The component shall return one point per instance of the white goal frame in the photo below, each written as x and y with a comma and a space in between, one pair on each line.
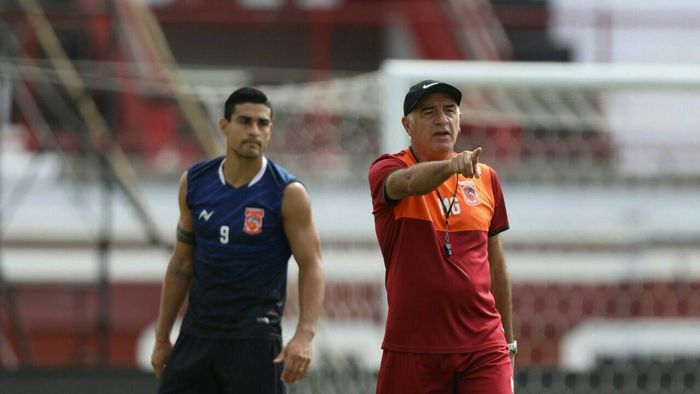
399, 75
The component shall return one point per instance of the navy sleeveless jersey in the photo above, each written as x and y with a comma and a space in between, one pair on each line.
240, 254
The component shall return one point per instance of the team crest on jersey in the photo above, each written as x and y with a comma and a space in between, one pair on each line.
469, 189
253, 221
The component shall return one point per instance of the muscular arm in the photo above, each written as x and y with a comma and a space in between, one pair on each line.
177, 282
427, 176
500, 284
305, 243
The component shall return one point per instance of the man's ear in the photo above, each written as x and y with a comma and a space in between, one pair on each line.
223, 122
406, 125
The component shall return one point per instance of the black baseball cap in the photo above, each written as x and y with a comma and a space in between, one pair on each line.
422, 88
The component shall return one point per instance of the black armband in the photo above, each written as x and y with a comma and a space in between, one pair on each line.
185, 236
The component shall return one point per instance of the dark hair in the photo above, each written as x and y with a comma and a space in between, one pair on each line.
245, 95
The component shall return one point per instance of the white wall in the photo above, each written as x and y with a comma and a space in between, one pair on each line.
646, 31
640, 31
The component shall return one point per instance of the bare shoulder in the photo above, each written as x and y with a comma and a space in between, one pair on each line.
183, 180
182, 187
295, 191
185, 221
295, 200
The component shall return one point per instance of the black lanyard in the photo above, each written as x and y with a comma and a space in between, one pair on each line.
447, 248
448, 210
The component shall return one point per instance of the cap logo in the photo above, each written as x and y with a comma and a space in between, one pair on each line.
430, 84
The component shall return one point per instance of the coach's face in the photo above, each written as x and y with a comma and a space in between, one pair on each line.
248, 131
433, 126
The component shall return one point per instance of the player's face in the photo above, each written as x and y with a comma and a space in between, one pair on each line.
433, 126
248, 131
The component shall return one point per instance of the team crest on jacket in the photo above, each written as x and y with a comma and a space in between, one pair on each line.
469, 189
253, 221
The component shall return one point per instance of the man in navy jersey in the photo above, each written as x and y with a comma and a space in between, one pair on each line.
241, 218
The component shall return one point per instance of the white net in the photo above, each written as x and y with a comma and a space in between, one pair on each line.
325, 132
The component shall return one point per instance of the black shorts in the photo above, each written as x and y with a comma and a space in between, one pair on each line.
223, 365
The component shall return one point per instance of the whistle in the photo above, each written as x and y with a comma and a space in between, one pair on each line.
448, 249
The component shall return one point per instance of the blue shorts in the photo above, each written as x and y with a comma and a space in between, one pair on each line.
223, 365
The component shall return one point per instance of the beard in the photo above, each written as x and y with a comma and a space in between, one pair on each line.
247, 149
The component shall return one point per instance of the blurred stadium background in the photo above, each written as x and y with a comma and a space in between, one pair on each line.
104, 103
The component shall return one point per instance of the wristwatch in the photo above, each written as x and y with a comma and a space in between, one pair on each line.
513, 347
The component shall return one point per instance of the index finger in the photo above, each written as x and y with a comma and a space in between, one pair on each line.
476, 153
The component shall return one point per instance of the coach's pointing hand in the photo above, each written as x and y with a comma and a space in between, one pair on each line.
298, 358
467, 163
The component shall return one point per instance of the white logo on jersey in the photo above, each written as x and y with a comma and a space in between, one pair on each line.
206, 215
456, 208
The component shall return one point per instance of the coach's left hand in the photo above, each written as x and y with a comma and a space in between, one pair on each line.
297, 354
